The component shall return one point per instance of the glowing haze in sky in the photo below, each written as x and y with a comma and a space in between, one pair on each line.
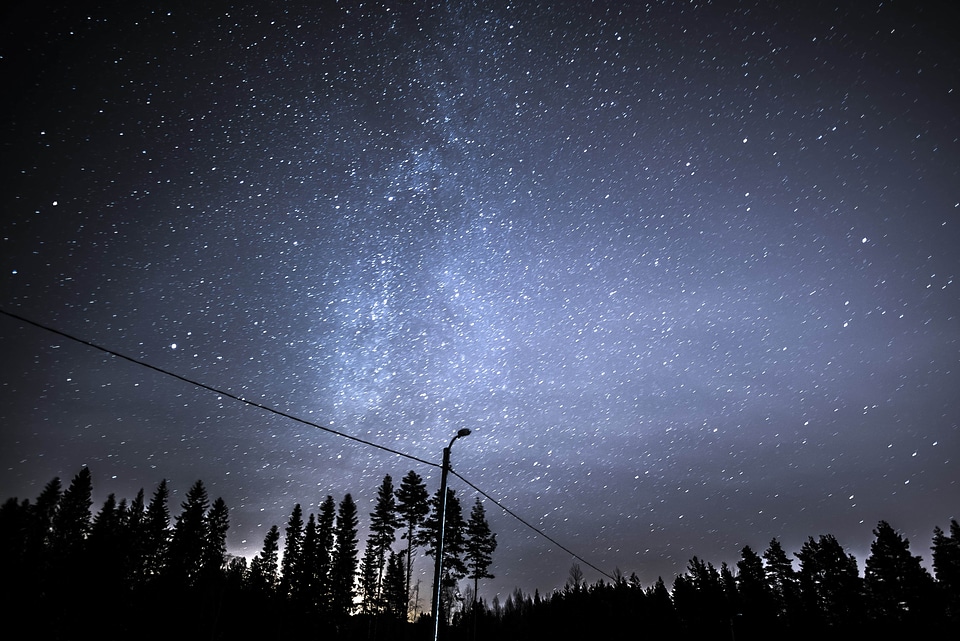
687, 270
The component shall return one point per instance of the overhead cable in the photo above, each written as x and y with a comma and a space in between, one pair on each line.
246, 401
297, 419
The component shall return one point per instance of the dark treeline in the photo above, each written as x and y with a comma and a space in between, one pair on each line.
130, 570
764, 596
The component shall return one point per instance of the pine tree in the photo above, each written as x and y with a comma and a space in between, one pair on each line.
215, 545
137, 511
480, 545
783, 583
830, 583
189, 536
453, 535
755, 601
309, 568
292, 569
39, 527
663, 616
133, 525
369, 600
897, 585
699, 597
344, 566
156, 534
106, 545
394, 588
68, 560
326, 542
71, 522
26, 541
412, 508
107, 521
383, 526
946, 567
264, 567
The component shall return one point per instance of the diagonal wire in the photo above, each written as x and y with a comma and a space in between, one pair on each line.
532, 527
297, 419
263, 407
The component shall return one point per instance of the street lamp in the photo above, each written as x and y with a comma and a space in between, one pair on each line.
438, 563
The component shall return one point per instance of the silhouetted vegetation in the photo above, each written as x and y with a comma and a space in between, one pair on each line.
128, 572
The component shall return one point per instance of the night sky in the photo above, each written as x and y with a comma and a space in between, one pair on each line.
687, 270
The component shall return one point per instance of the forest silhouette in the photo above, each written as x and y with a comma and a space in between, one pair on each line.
130, 570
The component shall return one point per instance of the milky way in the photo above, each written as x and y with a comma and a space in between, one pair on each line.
686, 270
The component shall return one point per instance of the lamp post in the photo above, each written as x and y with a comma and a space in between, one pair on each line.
438, 563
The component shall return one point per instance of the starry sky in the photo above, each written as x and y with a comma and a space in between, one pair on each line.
686, 269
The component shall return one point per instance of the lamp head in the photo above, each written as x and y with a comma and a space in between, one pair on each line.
463, 432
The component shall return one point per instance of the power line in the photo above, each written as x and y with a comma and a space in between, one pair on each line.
266, 408
297, 419
532, 527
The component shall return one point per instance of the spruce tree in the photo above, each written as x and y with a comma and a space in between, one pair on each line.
453, 535
156, 534
412, 508
133, 525
189, 537
106, 523
106, 545
309, 568
394, 587
68, 557
480, 545
344, 566
264, 567
369, 598
292, 568
326, 542
71, 522
215, 545
663, 616
40, 523
384, 522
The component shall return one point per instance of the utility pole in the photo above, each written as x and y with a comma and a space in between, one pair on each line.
438, 563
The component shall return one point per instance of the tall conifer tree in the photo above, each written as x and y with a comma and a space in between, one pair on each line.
215, 544
897, 586
156, 534
480, 545
71, 521
830, 583
783, 583
326, 542
189, 536
344, 567
384, 522
946, 567
292, 568
264, 567
412, 508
